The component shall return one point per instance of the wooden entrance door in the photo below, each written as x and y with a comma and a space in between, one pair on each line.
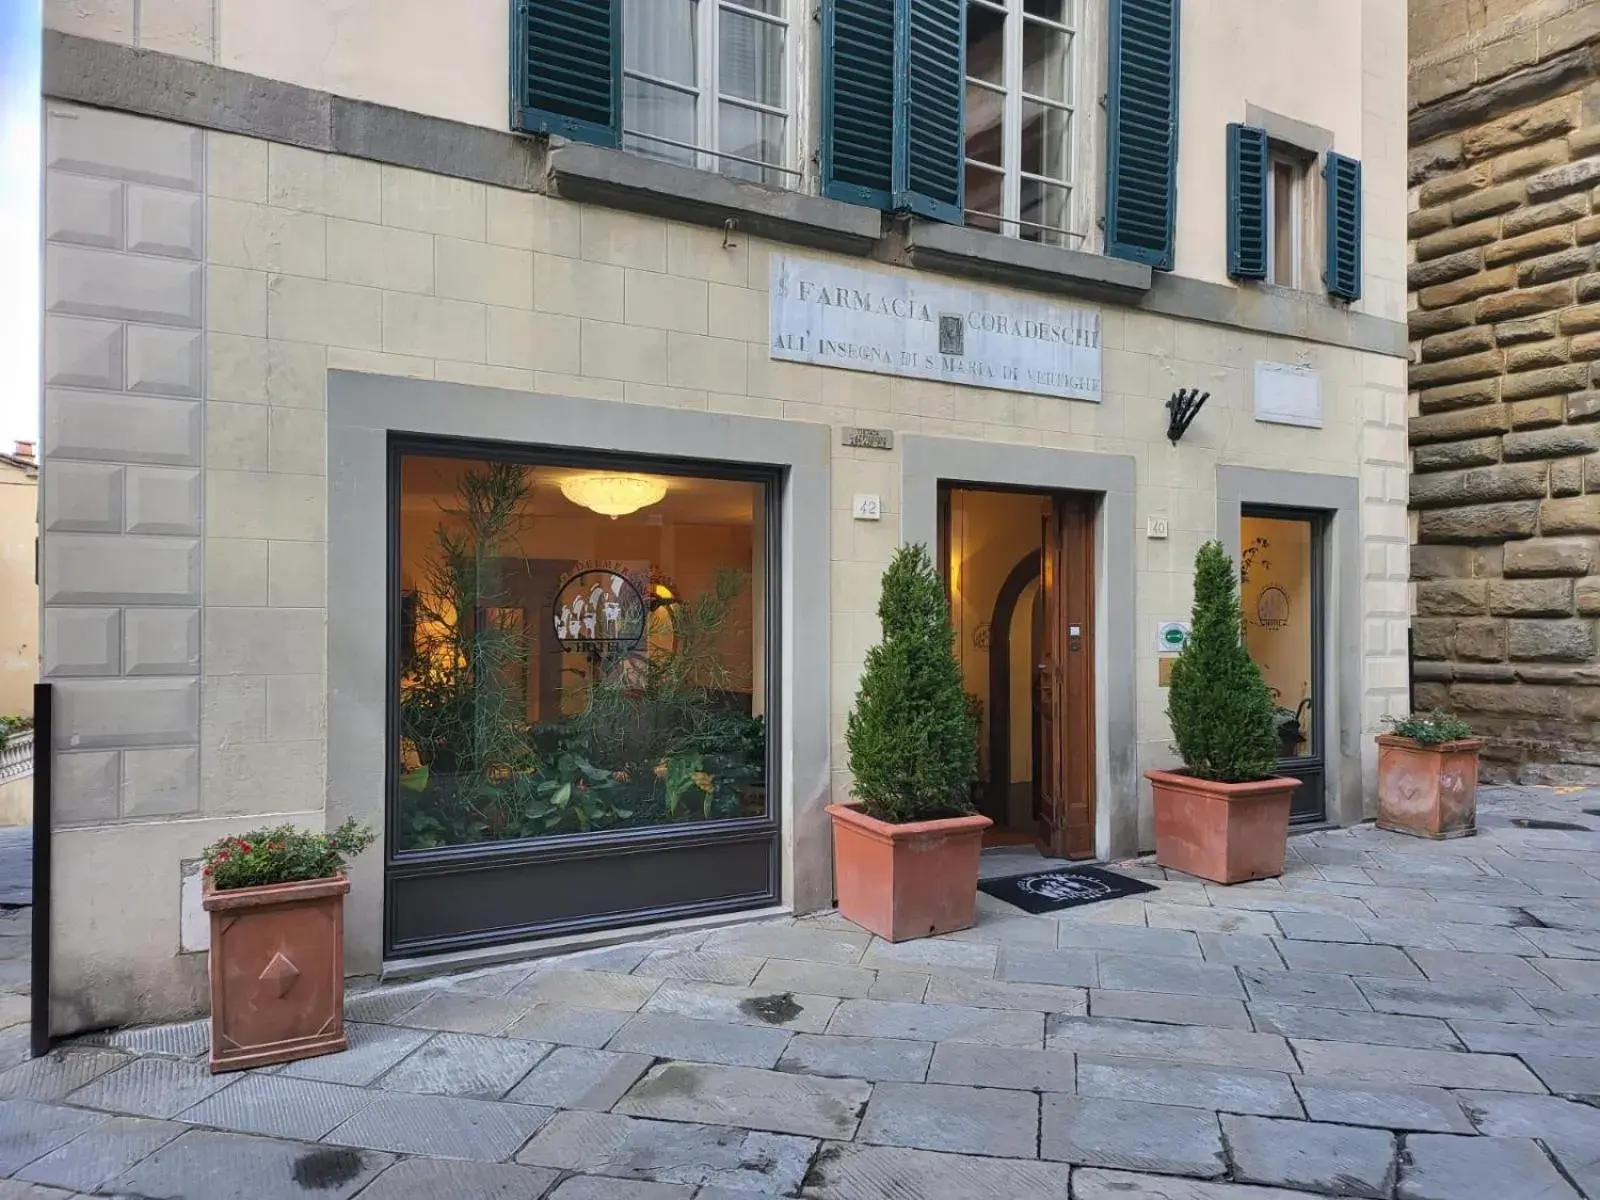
1064, 682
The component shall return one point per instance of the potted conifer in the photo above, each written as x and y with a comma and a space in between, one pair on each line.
1225, 816
1428, 776
905, 855
276, 899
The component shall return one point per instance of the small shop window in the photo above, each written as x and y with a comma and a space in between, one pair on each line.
581, 649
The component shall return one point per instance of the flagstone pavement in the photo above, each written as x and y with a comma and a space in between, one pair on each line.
1393, 1018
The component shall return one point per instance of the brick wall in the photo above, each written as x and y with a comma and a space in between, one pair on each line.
1505, 436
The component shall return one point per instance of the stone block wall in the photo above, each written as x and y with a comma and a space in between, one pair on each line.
1504, 276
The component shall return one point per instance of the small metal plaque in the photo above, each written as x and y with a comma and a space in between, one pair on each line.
870, 439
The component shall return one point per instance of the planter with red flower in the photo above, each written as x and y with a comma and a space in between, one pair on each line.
276, 899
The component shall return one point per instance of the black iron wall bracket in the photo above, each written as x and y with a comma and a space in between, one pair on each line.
1181, 411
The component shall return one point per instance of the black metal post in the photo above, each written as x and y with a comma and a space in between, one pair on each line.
43, 712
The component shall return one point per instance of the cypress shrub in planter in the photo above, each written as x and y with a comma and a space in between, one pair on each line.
1428, 776
276, 899
1225, 816
905, 855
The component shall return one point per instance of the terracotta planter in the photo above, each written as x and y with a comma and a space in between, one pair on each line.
906, 881
1428, 791
1224, 832
277, 972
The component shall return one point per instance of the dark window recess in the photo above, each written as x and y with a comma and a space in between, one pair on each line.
566, 69
1247, 202
892, 100
1341, 272
1142, 131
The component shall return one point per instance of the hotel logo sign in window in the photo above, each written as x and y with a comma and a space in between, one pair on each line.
901, 324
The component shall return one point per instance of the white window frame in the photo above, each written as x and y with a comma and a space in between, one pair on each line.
709, 97
1075, 235
1297, 207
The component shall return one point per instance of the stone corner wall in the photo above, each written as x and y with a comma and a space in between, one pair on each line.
1504, 276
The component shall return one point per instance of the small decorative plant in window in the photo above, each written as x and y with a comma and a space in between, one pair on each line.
1225, 817
1428, 776
914, 754
276, 899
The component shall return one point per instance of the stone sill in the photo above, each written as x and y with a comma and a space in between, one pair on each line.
995, 258
618, 179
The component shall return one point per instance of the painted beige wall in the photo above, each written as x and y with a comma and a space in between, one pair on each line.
19, 595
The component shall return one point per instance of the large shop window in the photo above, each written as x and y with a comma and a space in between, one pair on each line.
581, 669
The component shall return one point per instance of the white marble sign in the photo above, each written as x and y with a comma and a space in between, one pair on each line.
1288, 395
898, 324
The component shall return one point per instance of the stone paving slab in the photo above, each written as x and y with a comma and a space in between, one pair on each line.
664, 1036
1169, 1009
932, 955
1418, 1109
373, 1050
452, 1179
61, 1071
593, 1187
817, 978
150, 1087
774, 1101
832, 946
567, 1025
1127, 939
1242, 950
278, 1107
1501, 1037
463, 1012
1486, 1002
98, 1155
1507, 969
1000, 1067
671, 1152
232, 1166
441, 1126
1572, 974
1442, 1167
1367, 1028
577, 1077
1092, 1183
701, 966
1267, 1093
1065, 968
1399, 1064
1348, 958
461, 1064
588, 989
988, 993
1569, 1076
1199, 1045
1131, 1136
879, 1060
1509, 1115
1310, 1156
1197, 919
960, 1120
1121, 972
858, 1172
29, 1130
794, 1011
938, 1023
1303, 989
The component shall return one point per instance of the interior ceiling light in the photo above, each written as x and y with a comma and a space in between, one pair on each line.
613, 495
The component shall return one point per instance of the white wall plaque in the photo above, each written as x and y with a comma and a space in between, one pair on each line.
867, 508
1288, 395
897, 324
1171, 636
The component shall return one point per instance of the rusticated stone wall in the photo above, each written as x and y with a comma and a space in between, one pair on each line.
1504, 277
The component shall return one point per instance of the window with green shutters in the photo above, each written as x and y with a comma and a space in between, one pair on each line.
1142, 131
566, 72
1247, 202
858, 101
1341, 262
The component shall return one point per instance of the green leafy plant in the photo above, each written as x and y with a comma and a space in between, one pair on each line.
913, 744
283, 854
1221, 711
1429, 729
12, 725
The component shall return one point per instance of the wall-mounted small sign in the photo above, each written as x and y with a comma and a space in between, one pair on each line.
867, 508
1172, 636
869, 439
1288, 395
1155, 527
1164, 670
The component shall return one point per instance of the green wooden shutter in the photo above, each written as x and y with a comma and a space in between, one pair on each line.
930, 86
566, 69
858, 94
1341, 257
1247, 202
1142, 131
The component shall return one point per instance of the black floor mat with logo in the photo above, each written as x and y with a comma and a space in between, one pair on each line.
1049, 891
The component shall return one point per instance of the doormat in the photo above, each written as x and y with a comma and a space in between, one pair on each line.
1048, 891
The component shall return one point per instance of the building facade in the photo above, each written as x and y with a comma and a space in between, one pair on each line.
19, 592
1505, 152
493, 424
